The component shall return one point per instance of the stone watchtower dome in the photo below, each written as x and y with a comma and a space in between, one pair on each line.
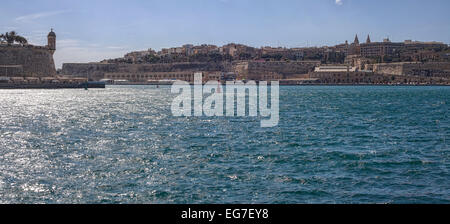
51, 38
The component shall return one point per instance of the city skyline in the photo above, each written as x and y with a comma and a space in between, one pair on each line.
86, 35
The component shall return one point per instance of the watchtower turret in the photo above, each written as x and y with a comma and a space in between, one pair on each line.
51, 38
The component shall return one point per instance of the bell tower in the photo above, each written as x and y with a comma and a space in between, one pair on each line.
51, 38
356, 40
355, 47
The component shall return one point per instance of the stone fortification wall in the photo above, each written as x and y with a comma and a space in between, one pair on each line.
427, 69
285, 69
97, 71
388, 69
26, 61
11, 70
93, 71
370, 78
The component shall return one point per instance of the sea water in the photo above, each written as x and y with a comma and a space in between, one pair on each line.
333, 144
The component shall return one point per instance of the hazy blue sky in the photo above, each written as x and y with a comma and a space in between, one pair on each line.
91, 30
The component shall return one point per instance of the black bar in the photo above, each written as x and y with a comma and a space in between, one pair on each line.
252, 214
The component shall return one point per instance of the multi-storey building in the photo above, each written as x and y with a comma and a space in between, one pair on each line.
380, 49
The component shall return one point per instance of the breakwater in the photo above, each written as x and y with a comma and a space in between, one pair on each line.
53, 85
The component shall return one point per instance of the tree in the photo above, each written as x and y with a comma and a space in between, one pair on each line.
12, 37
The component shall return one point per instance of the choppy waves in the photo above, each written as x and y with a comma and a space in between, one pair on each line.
121, 145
